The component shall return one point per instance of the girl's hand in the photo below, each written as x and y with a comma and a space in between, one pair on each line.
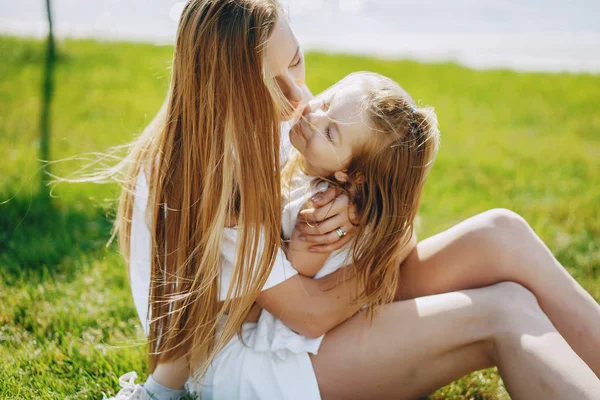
329, 214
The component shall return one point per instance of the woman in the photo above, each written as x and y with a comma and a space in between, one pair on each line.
207, 170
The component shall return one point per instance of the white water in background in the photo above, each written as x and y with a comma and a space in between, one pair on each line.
538, 35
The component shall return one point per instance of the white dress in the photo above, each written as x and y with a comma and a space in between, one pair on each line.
274, 363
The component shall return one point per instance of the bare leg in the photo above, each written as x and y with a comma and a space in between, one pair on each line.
416, 346
497, 246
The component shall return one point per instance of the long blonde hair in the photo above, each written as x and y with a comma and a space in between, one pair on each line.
213, 162
386, 181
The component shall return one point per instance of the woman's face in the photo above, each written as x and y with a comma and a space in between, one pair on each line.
286, 62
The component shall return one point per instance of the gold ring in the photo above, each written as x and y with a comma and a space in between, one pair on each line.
340, 232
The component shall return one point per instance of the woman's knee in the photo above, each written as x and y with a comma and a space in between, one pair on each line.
496, 228
512, 294
502, 235
505, 306
517, 314
505, 222
516, 309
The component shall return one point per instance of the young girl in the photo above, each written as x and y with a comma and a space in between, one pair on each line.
366, 135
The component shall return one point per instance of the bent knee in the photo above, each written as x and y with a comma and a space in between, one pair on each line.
501, 229
512, 291
504, 219
516, 305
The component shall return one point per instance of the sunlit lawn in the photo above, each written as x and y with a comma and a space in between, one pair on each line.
68, 327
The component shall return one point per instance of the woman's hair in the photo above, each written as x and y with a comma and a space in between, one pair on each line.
386, 181
211, 162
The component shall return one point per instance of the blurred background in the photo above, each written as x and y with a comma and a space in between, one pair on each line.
540, 35
516, 86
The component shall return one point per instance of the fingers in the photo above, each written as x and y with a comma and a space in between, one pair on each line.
326, 196
333, 246
323, 227
329, 237
333, 207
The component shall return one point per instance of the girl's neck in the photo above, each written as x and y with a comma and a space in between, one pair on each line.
309, 169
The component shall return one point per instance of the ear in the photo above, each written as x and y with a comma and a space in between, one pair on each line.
341, 176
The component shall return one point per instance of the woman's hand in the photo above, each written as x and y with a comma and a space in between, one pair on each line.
328, 215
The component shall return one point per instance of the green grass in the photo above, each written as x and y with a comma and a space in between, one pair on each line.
68, 327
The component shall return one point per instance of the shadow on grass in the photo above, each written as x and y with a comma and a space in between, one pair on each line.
38, 237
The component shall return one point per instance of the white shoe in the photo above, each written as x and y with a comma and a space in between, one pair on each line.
129, 389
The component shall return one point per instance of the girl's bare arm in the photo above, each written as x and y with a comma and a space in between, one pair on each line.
304, 261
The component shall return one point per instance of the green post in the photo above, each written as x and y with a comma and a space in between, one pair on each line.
47, 90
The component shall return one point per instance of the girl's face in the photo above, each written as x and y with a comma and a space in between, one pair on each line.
333, 128
286, 62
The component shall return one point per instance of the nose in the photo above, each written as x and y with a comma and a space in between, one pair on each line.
307, 110
315, 117
291, 91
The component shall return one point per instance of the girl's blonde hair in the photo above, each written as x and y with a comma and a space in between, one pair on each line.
386, 183
212, 161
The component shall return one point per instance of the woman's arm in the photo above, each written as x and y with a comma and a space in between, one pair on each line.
312, 307
305, 305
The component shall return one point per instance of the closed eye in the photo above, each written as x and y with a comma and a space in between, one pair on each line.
297, 63
328, 133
